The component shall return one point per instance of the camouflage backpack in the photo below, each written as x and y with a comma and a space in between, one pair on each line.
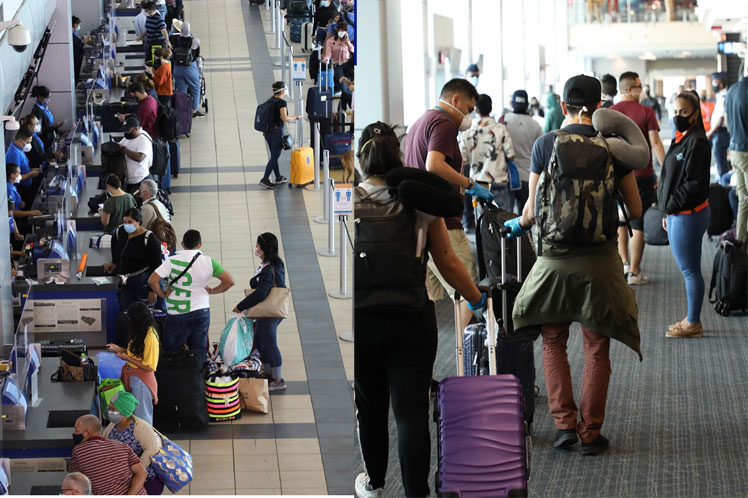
576, 198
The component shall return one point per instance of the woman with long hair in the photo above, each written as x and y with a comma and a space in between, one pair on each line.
271, 273
141, 356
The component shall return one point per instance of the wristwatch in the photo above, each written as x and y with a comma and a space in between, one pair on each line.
470, 185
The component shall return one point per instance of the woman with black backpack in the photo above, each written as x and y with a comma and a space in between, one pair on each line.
274, 137
186, 50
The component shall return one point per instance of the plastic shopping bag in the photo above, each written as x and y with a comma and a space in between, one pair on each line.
236, 340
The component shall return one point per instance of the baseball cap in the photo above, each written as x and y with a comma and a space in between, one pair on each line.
587, 90
130, 122
472, 68
520, 100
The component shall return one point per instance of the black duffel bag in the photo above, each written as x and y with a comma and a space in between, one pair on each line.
181, 393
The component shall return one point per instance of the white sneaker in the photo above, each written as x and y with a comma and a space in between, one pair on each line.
626, 270
364, 489
639, 279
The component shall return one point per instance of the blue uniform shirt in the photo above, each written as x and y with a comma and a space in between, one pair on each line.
17, 156
46, 111
14, 196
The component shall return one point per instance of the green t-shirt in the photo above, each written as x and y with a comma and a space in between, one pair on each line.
188, 293
115, 207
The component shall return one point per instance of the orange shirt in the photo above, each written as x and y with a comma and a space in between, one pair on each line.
707, 108
162, 79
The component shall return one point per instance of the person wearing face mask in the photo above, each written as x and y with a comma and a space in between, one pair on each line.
16, 154
41, 110
324, 12
116, 205
38, 155
718, 134
644, 117
111, 466
136, 253
13, 174
76, 483
138, 149
338, 50
432, 145
271, 273
472, 74
126, 427
736, 110
683, 196
78, 47
274, 137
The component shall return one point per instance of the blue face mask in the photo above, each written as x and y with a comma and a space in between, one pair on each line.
129, 228
77, 28
324, 3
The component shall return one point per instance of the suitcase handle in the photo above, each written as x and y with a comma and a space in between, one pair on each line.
491, 326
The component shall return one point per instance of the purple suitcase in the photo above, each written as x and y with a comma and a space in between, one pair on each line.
183, 105
483, 443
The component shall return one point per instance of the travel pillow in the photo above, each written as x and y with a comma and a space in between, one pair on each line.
625, 140
425, 192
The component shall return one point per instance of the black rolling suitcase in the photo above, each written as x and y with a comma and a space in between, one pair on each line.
514, 353
181, 391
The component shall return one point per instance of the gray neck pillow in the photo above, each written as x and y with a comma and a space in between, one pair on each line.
625, 140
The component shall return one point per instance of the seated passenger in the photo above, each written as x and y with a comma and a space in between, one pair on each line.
271, 273
141, 356
138, 434
151, 207
16, 154
136, 253
76, 483
138, 149
576, 282
111, 466
115, 206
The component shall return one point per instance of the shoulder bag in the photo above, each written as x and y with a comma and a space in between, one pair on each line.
172, 464
275, 305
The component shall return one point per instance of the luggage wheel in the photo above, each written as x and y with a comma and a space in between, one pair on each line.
537, 390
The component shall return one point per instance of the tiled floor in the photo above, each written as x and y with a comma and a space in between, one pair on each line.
305, 444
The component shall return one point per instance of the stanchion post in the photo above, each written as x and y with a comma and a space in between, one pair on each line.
283, 61
317, 153
300, 111
267, 4
292, 94
280, 29
325, 193
274, 23
343, 292
330, 251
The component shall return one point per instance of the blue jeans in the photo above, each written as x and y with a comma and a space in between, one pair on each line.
162, 10
275, 143
189, 327
144, 396
685, 232
266, 340
135, 290
188, 78
720, 142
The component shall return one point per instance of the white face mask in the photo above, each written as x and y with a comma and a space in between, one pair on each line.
27, 148
466, 122
17, 179
38, 128
341, 34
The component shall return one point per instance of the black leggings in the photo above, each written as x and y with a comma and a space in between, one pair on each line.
394, 357
275, 143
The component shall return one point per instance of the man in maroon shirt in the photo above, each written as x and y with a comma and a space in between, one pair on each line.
147, 111
631, 88
432, 145
111, 466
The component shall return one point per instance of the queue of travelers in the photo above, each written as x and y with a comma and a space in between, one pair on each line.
473, 156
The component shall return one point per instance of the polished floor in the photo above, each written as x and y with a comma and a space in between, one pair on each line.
304, 446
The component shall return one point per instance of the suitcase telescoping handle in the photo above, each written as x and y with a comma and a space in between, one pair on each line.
491, 326
504, 232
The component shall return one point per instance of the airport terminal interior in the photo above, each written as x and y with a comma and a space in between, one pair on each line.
675, 419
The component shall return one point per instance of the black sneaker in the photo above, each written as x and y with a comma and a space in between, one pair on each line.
267, 183
565, 439
281, 180
198, 114
596, 447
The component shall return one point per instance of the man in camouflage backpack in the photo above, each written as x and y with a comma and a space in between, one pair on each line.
578, 277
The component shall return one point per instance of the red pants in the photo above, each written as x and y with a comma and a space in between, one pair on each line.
594, 382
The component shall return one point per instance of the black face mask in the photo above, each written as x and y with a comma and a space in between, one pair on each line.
715, 88
129, 135
682, 123
77, 439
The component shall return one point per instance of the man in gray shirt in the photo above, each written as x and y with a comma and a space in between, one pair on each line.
524, 130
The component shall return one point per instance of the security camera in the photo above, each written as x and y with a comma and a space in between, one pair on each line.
19, 37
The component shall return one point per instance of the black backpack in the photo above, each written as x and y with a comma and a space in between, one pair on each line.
729, 278
296, 7
720, 216
163, 198
389, 275
167, 122
160, 155
182, 56
264, 116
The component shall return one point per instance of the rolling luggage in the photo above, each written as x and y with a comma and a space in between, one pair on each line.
729, 278
483, 444
302, 167
720, 217
181, 393
307, 37
327, 77
183, 105
174, 157
295, 25
337, 144
320, 102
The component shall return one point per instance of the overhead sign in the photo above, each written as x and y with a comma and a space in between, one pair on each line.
298, 70
343, 199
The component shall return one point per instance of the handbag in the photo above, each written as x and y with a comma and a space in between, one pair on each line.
74, 368
288, 140
172, 464
275, 305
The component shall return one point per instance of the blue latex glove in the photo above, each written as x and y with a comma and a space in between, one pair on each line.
517, 230
480, 191
480, 305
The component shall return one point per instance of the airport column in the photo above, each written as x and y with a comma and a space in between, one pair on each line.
56, 70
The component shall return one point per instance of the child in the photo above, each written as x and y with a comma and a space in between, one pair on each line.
162, 76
